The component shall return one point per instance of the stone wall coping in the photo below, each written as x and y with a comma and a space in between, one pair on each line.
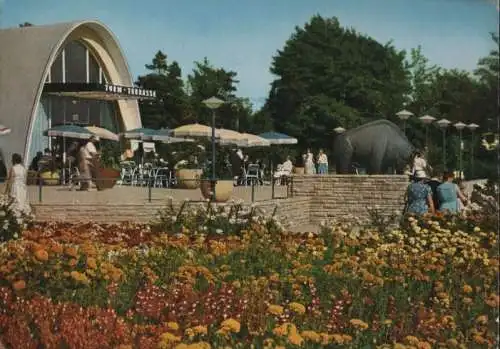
156, 204
349, 176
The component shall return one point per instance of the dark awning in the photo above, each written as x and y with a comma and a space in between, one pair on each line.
98, 91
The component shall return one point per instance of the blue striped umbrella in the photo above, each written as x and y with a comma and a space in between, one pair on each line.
278, 138
142, 134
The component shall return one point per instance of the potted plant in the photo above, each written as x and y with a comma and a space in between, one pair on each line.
188, 166
224, 181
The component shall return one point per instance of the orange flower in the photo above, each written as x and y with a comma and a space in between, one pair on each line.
72, 262
467, 289
41, 255
56, 248
19, 285
91, 263
71, 251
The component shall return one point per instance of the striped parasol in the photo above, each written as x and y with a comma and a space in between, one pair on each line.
251, 140
103, 133
194, 130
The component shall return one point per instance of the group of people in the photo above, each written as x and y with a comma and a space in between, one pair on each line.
240, 167
428, 194
318, 164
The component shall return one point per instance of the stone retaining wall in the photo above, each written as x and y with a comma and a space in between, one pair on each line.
337, 196
291, 211
315, 198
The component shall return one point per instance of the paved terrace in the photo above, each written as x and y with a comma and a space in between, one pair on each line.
127, 195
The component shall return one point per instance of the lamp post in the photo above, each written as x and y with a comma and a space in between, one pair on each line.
213, 103
472, 127
427, 120
404, 115
460, 126
443, 124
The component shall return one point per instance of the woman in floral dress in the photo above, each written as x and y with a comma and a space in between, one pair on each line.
419, 197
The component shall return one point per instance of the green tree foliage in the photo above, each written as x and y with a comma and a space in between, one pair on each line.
170, 108
206, 81
457, 96
329, 76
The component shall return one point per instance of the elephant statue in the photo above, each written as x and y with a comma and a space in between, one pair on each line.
377, 145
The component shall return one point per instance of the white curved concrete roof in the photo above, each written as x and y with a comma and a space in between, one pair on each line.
26, 55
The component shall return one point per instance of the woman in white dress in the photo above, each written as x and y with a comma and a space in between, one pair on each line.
16, 184
419, 166
309, 163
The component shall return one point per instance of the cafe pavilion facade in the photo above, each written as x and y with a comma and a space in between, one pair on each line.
67, 73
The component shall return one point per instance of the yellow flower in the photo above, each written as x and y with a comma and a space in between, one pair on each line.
172, 326
358, 324
189, 332
199, 345
411, 340
311, 336
285, 329
297, 308
230, 325
275, 309
167, 340
200, 330
482, 320
295, 339
79, 277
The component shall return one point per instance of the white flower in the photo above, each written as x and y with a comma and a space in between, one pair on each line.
219, 231
173, 218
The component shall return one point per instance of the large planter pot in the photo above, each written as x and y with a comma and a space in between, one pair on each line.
299, 170
50, 178
223, 189
106, 178
188, 178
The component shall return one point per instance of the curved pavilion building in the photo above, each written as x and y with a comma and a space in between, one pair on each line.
68, 73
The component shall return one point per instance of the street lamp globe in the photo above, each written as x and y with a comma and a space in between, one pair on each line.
443, 123
460, 125
404, 114
427, 119
213, 103
339, 129
472, 126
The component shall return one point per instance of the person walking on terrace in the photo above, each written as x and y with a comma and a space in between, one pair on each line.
419, 165
309, 162
322, 162
419, 197
449, 193
16, 185
86, 165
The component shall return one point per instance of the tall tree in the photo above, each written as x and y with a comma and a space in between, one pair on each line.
488, 72
170, 108
206, 81
330, 76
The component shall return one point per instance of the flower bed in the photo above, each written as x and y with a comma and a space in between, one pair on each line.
431, 283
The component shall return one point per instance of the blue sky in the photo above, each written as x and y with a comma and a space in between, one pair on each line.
243, 35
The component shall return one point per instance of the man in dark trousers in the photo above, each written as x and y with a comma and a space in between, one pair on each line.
434, 182
237, 166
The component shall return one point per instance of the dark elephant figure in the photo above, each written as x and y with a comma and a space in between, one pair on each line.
377, 145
